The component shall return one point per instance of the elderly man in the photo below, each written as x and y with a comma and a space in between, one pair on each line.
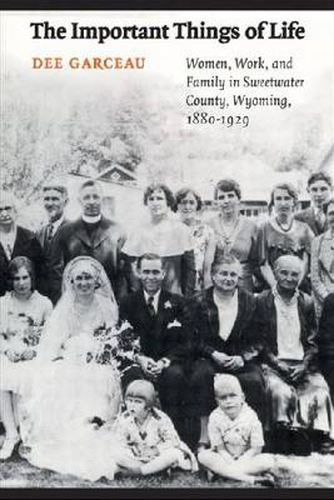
16, 241
224, 342
158, 317
92, 234
319, 187
55, 198
298, 394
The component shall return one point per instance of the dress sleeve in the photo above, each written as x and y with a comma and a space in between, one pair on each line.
317, 284
262, 245
308, 238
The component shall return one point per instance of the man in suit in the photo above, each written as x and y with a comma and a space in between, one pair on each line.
298, 394
55, 198
16, 241
92, 234
159, 318
319, 187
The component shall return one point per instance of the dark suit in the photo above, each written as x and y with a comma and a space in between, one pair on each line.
326, 342
47, 247
308, 216
161, 340
266, 327
242, 341
26, 245
104, 244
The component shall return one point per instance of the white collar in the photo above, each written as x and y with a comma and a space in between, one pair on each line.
91, 219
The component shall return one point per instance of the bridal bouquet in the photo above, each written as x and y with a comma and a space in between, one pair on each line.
116, 346
20, 338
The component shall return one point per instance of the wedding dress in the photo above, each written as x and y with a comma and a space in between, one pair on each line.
63, 395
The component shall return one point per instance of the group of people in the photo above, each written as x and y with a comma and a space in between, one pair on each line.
232, 322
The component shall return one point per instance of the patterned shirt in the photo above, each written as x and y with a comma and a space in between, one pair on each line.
238, 435
145, 443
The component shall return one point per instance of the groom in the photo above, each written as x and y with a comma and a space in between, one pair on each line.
158, 317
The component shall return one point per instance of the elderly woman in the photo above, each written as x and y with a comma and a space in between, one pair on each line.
285, 319
322, 260
189, 205
165, 236
65, 390
224, 342
233, 233
283, 235
23, 311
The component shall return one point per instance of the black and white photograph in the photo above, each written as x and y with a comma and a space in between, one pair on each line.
167, 250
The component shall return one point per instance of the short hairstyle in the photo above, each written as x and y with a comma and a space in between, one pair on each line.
160, 187
228, 185
143, 389
148, 256
326, 205
182, 193
319, 176
287, 187
283, 258
16, 264
225, 382
224, 258
90, 183
57, 187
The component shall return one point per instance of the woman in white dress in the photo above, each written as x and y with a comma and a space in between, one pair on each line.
23, 311
65, 392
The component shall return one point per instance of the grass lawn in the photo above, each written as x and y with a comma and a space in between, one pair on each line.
293, 472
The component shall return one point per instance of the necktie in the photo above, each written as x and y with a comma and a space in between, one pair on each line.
50, 229
150, 307
9, 251
321, 218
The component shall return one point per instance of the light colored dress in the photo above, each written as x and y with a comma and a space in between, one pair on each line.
145, 444
19, 318
20, 330
171, 240
322, 269
241, 243
63, 390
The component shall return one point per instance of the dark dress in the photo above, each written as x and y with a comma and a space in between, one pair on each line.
242, 341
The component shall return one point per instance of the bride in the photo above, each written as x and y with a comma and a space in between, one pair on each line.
65, 396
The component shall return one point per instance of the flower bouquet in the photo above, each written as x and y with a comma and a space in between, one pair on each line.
116, 346
19, 340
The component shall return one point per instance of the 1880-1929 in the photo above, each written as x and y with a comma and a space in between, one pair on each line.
204, 118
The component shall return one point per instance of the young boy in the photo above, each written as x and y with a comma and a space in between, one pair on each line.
236, 436
147, 440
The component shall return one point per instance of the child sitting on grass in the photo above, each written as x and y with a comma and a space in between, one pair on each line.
147, 440
236, 437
